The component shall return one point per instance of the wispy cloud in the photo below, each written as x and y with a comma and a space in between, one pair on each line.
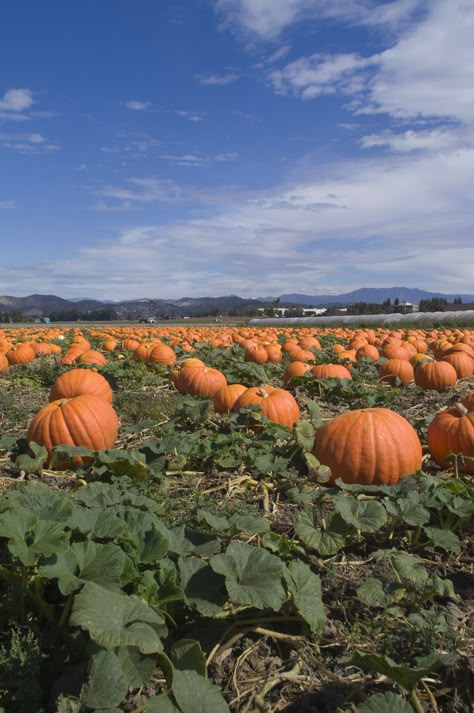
217, 80
191, 115
137, 105
198, 159
7, 204
27, 143
14, 104
267, 19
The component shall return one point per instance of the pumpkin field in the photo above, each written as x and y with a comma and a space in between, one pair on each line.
249, 519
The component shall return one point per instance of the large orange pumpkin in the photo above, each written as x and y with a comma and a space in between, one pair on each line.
200, 381
331, 371
225, 398
393, 368
277, 405
84, 420
368, 446
452, 430
80, 381
437, 375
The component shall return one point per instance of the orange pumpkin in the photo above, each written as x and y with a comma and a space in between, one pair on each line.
277, 405
368, 446
84, 420
393, 368
452, 430
200, 381
225, 398
80, 381
437, 375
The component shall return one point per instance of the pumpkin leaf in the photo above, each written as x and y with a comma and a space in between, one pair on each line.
252, 576
187, 655
203, 587
304, 432
305, 588
384, 703
195, 694
117, 619
365, 516
326, 542
107, 684
407, 677
444, 539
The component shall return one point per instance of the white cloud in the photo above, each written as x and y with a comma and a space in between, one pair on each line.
137, 105
428, 72
27, 143
422, 140
308, 77
16, 100
396, 219
267, 19
191, 115
218, 80
199, 159
7, 204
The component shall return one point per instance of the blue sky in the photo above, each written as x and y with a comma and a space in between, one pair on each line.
252, 147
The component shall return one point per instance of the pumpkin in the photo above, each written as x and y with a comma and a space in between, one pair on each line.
3, 364
295, 368
393, 368
277, 405
200, 381
367, 351
462, 362
161, 354
21, 354
84, 420
256, 354
80, 381
468, 400
368, 446
91, 357
225, 398
437, 375
452, 430
331, 371
299, 354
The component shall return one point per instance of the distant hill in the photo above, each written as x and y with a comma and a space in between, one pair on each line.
374, 295
45, 305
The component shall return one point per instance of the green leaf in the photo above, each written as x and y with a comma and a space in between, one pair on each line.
29, 537
384, 703
373, 593
161, 704
86, 561
304, 432
216, 522
366, 516
305, 587
203, 587
137, 668
252, 576
107, 685
187, 655
405, 676
184, 541
326, 542
195, 694
32, 464
314, 412
444, 539
117, 619
250, 524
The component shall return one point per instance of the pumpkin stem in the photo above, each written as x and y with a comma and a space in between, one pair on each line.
262, 392
461, 408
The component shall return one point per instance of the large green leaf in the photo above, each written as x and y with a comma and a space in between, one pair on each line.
326, 542
29, 537
86, 561
117, 619
136, 667
405, 676
187, 655
366, 516
384, 703
305, 587
107, 684
252, 575
195, 694
203, 587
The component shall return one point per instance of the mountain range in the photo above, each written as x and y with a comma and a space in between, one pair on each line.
44, 305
